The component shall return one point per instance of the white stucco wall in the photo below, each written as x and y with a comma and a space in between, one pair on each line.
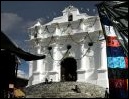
91, 66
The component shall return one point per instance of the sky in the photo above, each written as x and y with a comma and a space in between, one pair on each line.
17, 16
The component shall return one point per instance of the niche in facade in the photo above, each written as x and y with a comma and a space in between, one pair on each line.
70, 17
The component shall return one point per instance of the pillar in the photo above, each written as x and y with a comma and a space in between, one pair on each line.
39, 62
30, 73
56, 56
57, 31
85, 60
30, 68
82, 25
103, 55
82, 70
38, 70
102, 71
55, 71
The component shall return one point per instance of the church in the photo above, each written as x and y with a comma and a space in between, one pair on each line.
75, 49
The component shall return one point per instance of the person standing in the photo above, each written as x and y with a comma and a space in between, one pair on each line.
107, 93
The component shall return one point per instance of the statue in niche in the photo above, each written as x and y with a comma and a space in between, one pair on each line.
36, 41
36, 32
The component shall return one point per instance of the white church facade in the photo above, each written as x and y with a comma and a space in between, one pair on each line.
74, 47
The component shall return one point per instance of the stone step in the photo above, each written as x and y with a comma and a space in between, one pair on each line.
63, 95
64, 89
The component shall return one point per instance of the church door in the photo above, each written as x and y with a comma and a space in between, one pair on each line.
68, 69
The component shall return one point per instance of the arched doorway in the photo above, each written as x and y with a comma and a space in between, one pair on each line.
68, 69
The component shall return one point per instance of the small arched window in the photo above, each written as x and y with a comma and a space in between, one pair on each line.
70, 17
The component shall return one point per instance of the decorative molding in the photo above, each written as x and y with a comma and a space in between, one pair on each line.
53, 72
36, 73
101, 70
81, 71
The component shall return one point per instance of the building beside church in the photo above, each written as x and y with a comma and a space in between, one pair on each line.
75, 49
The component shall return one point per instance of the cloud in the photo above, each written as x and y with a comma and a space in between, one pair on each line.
22, 74
15, 27
12, 22
9, 21
30, 23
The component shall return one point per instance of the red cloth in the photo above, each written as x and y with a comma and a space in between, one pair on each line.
112, 41
118, 84
126, 62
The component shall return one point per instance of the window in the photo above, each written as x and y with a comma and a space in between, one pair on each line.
70, 17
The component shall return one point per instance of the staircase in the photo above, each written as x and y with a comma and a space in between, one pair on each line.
64, 90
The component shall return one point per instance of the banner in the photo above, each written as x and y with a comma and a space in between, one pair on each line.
112, 41
126, 62
116, 62
117, 73
115, 51
118, 84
